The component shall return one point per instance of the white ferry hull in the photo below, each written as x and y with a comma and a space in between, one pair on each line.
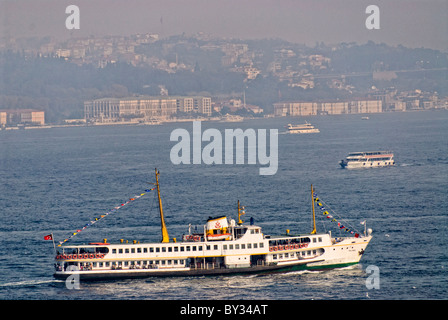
371, 159
221, 248
304, 131
339, 254
302, 128
365, 164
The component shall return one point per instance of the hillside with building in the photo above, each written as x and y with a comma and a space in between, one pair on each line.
144, 76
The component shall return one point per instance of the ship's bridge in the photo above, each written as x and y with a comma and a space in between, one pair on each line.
247, 232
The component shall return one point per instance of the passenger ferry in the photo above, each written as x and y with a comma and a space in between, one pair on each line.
302, 128
223, 246
368, 159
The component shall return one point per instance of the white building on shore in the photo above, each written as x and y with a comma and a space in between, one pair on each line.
302, 108
144, 108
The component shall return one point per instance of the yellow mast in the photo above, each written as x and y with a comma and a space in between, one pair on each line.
165, 236
314, 217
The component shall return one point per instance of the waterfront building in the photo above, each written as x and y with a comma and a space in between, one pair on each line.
145, 108
22, 116
203, 105
295, 108
2, 118
300, 108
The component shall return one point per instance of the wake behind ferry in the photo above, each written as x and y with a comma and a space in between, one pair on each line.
223, 246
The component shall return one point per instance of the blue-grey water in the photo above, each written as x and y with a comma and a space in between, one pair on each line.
57, 180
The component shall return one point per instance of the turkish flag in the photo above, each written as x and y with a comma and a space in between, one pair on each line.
48, 237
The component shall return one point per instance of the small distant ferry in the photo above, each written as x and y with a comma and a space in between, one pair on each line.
302, 128
222, 246
368, 159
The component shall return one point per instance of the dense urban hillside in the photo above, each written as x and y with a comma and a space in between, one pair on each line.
266, 71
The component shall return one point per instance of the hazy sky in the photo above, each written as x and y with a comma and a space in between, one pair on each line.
412, 23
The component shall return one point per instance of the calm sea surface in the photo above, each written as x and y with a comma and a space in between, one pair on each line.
57, 180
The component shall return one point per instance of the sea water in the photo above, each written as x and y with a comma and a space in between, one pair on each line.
57, 180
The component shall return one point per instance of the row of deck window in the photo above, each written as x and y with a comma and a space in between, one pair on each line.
243, 246
292, 254
191, 248
143, 264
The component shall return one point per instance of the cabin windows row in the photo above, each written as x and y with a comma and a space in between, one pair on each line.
145, 264
87, 250
292, 255
163, 249
283, 242
243, 246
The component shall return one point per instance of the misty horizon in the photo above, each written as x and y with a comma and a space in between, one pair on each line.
412, 24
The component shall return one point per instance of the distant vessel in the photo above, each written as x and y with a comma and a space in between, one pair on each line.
368, 159
302, 128
231, 118
365, 118
219, 247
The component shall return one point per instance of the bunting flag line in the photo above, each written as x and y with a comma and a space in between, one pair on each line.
333, 219
95, 220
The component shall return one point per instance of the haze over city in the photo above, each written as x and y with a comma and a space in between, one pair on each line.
414, 23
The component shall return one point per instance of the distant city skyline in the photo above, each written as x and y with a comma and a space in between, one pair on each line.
411, 23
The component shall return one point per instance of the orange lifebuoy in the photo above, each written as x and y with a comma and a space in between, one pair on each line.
280, 247
86, 256
91, 256
97, 255
275, 248
64, 256
271, 249
69, 256
297, 246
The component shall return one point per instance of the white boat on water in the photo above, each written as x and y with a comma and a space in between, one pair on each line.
368, 159
302, 128
221, 246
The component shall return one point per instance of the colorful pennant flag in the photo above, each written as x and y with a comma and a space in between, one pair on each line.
95, 220
329, 216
